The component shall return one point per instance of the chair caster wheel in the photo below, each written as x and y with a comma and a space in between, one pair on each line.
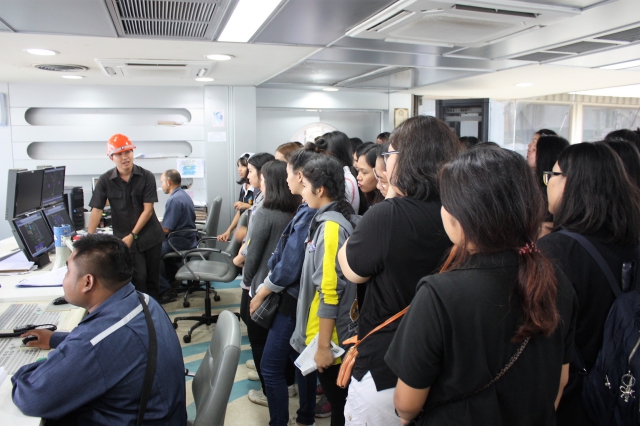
175, 325
186, 338
186, 304
216, 298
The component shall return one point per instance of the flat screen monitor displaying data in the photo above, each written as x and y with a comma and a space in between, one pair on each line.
57, 215
35, 233
52, 185
28, 191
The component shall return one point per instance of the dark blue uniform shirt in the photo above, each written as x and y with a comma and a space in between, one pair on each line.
180, 214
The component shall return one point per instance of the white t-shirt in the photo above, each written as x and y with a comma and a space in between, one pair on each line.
351, 189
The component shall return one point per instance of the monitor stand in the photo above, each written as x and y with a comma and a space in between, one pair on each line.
42, 260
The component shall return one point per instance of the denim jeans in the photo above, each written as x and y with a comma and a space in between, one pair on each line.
277, 352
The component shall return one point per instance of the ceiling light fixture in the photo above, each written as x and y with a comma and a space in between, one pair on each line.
73, 77
311, 110
219, 57
524, 84
330, 89
247, 18
41, 52
204, 79
623, 65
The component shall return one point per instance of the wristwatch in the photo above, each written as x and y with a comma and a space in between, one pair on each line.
135, 236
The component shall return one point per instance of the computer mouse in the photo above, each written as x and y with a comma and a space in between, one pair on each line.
59, 301
29, 338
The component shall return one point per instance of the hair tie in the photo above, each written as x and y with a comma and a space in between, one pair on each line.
529, 248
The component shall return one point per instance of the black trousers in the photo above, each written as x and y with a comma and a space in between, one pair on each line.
146, 269
334, 393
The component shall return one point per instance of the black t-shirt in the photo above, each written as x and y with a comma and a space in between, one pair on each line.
126, 200
595, 298
456, 338
397, 242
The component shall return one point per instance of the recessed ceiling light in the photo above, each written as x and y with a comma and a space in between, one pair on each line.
218, 57
623, 65
204, 79
41, 52
311, 110
73, 77
330, 89
524, 85
247, 18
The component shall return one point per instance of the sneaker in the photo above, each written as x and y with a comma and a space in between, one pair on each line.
251, 364
323, 408
319, 390
257, 397
293, 392
167, 297
253, 375
294, 422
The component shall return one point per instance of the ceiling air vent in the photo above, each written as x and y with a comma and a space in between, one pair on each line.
582, 47
182, 19
541, 56
392, 20
61, 68
383, 72
494, 11
629, 36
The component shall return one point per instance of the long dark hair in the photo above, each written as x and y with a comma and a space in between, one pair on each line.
242, 161
370, 154
545, 132
299, 158
325, 171
277, 195
260, 159
598, 195
424, 144
630, 157
548, 150
628, 135
335, 144
477, 189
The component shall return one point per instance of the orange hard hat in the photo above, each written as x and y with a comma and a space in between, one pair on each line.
118, 143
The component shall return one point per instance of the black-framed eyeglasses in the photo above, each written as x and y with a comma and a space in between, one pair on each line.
546, 176
386, 155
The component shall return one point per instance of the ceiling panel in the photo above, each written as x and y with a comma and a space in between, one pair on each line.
383, 46
317, 23
310, 72
77, 17
599, 59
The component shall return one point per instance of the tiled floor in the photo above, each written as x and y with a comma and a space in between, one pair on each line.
240, 410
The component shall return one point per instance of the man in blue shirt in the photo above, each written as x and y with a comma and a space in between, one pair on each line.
96, 373
179, 214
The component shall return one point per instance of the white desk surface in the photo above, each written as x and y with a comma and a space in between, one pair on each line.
9, 413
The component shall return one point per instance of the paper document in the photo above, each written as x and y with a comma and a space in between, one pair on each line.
50, 279
306, 362
16, 263
3, 375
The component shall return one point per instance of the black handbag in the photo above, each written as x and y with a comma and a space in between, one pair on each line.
266, 312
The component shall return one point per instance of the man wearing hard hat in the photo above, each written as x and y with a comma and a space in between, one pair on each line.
131, 191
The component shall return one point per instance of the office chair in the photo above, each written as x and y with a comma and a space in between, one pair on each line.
208, 271
214, 379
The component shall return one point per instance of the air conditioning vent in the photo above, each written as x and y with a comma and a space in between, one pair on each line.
541, 56
582, 47
154, 68
61, 68
371, 76
494, 11
630, 36
392, 20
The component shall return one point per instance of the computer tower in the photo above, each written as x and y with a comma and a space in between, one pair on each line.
74, 201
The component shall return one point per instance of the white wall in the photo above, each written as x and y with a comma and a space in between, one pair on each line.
6, 162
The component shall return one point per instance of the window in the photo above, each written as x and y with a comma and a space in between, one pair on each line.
598, 121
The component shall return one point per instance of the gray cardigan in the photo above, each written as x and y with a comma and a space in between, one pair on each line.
263, 235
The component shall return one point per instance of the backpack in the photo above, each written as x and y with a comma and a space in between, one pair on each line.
611, 391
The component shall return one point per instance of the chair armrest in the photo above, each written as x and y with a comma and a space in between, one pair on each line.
181, 231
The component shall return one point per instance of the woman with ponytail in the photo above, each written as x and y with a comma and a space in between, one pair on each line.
499, 305
327, 306
590, 194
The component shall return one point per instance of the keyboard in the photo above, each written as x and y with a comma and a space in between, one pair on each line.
19, 314
13, 356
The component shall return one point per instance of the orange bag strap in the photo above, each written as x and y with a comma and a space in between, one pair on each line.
355, 340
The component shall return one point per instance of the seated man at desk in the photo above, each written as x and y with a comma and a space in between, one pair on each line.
97, 372
179, 214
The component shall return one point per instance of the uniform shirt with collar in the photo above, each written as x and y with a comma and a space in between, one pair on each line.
127, 203
96, 372
180, 214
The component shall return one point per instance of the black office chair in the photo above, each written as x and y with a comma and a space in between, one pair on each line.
207, 271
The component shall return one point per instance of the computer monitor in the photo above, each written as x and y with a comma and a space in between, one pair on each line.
57, 215
53, 185
28, 191
36, 236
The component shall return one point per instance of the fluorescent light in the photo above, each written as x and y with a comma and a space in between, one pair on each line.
524, 84
623, 65
73, 77
41, 52
248, 16
311, 110
204, 79
330, 89
218, 57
